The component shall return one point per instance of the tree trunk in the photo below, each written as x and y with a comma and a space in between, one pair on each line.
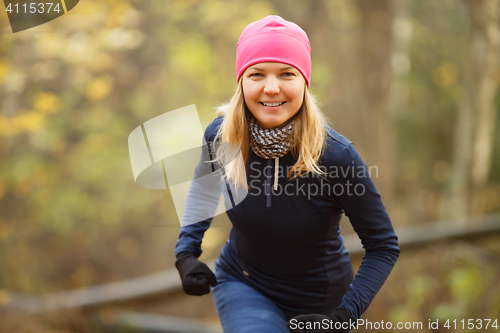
486, 53
476, 120
375, 76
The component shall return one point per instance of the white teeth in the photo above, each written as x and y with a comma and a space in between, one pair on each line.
272, 104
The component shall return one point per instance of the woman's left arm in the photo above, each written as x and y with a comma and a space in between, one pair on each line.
356, 194
363, 206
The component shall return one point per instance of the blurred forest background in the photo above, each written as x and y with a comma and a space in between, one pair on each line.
413, 83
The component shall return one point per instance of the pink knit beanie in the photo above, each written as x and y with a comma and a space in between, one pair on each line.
273, 39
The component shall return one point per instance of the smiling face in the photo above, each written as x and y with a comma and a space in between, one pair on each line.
273, 92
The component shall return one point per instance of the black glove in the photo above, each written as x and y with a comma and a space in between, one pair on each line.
195, 275
339, 321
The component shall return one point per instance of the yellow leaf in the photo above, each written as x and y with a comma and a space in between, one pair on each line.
99, 88
4, 69
27, 122
46, 102
116, 16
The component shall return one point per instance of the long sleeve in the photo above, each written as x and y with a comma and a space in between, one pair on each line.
202, 200
357, 196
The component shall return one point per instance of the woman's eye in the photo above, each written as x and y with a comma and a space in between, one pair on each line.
288, 74
255, 75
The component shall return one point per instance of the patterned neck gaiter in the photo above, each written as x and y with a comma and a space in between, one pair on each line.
269, 142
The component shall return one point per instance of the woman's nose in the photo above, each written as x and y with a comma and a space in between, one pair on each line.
272, 86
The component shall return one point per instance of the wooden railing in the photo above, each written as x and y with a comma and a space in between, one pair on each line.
168, 281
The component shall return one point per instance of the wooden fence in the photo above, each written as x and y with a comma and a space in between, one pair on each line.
168, 281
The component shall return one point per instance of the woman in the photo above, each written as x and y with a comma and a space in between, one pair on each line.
284, 266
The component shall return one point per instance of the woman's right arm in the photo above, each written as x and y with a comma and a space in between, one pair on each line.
203, 197
202, 201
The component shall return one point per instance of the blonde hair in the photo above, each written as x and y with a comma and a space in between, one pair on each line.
308, 137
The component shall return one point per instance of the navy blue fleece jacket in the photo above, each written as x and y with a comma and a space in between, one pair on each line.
286, 243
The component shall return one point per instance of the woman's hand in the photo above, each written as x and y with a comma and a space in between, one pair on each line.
339, 321
195, 275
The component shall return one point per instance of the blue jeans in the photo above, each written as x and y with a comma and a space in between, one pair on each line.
242, 309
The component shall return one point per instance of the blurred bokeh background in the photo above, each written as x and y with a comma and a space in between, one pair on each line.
413, 83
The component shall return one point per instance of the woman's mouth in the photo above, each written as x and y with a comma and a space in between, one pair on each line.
272, 104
